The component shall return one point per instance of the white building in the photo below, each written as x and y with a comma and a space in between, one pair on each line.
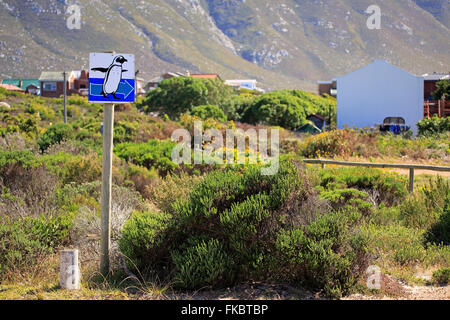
369, 96
243, 84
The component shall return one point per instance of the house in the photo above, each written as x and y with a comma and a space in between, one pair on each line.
244, 84
370, 95
140, 83
52, 83
327, 87
430, 83
81, 83
31, 86
154, 83
11, 87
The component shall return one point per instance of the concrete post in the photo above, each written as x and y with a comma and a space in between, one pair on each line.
69, 274
108, 124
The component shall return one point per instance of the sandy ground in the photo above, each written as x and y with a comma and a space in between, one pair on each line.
423, 172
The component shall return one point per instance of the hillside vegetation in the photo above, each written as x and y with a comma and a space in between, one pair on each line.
180, 228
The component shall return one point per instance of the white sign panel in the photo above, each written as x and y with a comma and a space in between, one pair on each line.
111, 78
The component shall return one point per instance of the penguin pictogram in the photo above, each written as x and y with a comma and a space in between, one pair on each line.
113, 76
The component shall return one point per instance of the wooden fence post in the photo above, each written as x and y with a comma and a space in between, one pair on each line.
411, 180
105, 243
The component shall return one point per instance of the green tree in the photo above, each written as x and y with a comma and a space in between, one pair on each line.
179, 95
209, 111
443, 88
278, 108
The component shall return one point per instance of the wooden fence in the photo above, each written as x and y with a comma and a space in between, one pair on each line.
411, 167
439, 108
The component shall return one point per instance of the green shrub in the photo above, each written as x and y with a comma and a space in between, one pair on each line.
278, 109
329, 253
440, 231
153, 154
409, 254
442, 276
172, 188
24, 242
414, 214
144, 240
348, 198
433, 126
18, 250
390, 187
23, 158
45, 112
125, 131
209, 111
229, 227
55, 134
202, 264
215, 209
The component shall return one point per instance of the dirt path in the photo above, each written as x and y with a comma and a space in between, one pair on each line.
411, 293
422, 172
392, 289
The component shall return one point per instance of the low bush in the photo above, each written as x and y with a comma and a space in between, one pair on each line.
329, 253
433, 126
170, 189
226, 230
387, 187
202, 264
55, 134
442, 276
153, 154
440, 231
45, 112
209, 111
24, 242
340, 143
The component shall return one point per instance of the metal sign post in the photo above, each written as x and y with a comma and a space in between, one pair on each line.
111, 81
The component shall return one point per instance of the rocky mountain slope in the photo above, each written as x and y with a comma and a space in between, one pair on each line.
281, 43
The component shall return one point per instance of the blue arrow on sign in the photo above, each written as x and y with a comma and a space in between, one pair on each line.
125, 91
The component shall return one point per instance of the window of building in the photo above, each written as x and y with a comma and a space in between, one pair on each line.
50, 86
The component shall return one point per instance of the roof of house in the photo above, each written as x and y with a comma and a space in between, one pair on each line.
436, 76
206, 76
318, 116
11, 87
58, 76
25, 82
309, 128
378, 65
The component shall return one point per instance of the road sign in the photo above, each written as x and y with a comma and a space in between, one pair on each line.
111, 78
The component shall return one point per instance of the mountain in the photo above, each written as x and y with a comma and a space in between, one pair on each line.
281, 43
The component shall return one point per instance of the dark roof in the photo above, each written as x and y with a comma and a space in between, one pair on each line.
318, 116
